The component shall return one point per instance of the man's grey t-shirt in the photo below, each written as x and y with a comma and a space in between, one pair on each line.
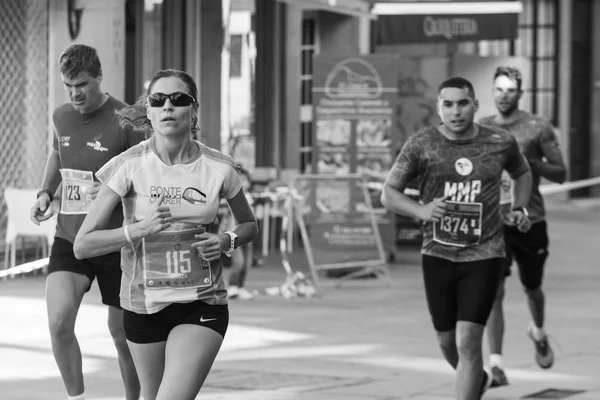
85, 142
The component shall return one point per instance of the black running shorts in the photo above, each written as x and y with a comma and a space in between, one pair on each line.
460, 291
530, 251
153, 328
107, 269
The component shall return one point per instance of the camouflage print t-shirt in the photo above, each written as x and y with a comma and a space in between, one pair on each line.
536, 139
468, 171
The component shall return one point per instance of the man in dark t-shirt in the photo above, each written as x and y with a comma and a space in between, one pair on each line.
458, 166
539, 144
87, 135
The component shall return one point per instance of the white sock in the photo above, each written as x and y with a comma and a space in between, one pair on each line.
78, 397
538, 333
496, 360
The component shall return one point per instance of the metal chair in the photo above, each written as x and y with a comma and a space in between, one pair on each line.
18, 205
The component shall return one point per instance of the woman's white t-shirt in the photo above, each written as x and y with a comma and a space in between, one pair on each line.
162, 269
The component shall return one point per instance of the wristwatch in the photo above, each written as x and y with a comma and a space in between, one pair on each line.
523, 210
233, 241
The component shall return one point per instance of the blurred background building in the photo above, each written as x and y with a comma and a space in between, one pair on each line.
252, 60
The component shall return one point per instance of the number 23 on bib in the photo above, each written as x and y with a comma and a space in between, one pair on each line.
460, 226
75, 187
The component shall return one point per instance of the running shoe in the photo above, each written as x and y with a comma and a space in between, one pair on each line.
544, 356
485, 384
244, 294
498, 377
232, 292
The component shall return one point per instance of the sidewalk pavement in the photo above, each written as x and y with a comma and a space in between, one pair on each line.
369, 340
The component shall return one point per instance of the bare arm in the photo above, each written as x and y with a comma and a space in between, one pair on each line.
210, 245
93, 239
553, 169
522, 190
404, 170
52, 179
399, 203
246, 227
552, 166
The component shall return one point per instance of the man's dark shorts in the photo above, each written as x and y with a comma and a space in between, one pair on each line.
460, 291
530, 251
107, 269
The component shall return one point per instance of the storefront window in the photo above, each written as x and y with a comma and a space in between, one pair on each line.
537, 34
143, 45
537, 42
308, 49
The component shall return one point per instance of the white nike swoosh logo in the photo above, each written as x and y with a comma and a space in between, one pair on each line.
206, 320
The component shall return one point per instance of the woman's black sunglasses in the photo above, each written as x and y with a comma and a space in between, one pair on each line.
178, 99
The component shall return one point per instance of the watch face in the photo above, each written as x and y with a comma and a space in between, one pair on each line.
235, 243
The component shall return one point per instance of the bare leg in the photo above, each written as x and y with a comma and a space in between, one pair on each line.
64, 292
149, 361
190, 353
447, 341
128, 373
248, 253
536, 302
495, 324
237, 276
469, 373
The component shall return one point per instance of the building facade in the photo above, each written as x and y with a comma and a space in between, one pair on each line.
557, 39
553, 44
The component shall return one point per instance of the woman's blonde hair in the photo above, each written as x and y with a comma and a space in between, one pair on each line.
134, 117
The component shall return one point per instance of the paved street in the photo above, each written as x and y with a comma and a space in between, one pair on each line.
365, 341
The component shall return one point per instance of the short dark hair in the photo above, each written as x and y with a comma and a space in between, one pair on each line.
79, 58
511, 73
459, 83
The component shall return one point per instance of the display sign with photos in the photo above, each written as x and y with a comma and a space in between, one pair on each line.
354, 101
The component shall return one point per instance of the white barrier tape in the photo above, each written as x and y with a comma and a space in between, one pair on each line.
567, 186
544, 189
379, 186
25, 268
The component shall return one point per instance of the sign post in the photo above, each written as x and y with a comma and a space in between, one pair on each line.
344, 232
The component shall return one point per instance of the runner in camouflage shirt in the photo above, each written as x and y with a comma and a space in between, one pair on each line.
539, 144
458, 166
463, 171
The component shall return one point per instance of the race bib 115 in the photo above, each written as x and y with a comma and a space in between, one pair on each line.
171, 262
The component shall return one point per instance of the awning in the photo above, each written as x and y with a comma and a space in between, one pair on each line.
450, 21
356, 8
